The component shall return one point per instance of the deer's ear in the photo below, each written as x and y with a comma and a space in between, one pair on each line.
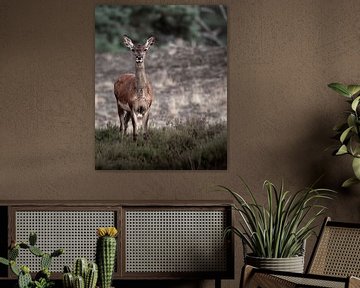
150, 41
128, 42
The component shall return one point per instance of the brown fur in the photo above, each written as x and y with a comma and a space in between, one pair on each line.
125, 91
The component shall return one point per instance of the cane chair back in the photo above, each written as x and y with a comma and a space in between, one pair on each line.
335, 262
337, 252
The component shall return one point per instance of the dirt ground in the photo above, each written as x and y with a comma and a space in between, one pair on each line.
187, 81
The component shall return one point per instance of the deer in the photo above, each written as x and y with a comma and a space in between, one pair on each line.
133, 92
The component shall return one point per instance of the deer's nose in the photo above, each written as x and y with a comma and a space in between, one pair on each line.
139, 59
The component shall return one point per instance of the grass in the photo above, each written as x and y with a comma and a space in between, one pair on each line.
194, 145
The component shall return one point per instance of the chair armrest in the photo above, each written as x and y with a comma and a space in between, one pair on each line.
246, 273
255, 277
354, 282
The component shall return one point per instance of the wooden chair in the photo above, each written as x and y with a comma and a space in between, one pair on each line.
335, 262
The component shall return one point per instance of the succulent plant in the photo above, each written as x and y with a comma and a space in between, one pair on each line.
106, 254
85, 275
42, 283
42, 278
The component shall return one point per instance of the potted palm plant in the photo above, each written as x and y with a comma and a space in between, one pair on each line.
348, 132
274, 234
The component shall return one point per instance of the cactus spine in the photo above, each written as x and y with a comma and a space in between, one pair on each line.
13, 253
24, 278
68, 280
91, 276
84, 274
45, 261
79, 282
106, 254
36, 251
80, 267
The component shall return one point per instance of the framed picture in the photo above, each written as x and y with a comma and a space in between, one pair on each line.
160, 87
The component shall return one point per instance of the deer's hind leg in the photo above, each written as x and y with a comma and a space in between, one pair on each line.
122, 113
127, 118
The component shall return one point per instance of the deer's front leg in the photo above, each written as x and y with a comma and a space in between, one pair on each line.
146, 120
134, 121
126, 121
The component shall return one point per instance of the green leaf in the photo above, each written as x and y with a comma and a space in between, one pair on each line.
14, 268
353, 89
4, 261
351, 120
355, 103
356, 167
354, 145
349, 182
340, 88
345, 134
342, 150
279, 228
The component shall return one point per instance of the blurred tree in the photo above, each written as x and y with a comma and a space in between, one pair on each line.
213, 22
196, 24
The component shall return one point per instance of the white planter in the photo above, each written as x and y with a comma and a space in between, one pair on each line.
291, 264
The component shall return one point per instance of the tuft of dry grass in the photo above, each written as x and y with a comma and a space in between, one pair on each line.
191, 145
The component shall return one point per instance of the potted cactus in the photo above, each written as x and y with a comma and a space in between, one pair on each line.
106, 254
42, 278
84, 275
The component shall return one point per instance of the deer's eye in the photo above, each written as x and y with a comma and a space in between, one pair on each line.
145, 49
132, 49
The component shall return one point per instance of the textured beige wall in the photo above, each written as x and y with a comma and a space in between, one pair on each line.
282, 54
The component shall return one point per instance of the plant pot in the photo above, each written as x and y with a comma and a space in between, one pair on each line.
291, 264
